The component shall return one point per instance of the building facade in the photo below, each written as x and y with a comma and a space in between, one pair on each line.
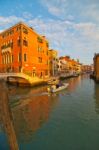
63, 65
53, 62
23, 50
87, 68
68, 66
96, 67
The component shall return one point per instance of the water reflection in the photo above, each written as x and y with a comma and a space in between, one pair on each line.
73, 83
18, 95
32, 107
96, 96
45, 121
15, 92
31, 115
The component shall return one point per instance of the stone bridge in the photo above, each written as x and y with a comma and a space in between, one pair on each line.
29, 79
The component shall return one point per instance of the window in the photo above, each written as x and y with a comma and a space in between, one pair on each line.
11, 32
46, 52
25, 57
40, 49
19, 42
11, 44
47, 62
19, 57
3, 36
18, 28
46, 72
2, 59
25, 43
47, 44
12, 58
39, 39
25, 31
51, 61
40, 59
19, 68
57, 66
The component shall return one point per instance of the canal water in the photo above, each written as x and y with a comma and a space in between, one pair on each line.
67, 120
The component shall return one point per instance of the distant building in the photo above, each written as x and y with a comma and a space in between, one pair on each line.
87, 68
63, 65
96, 66
23, 50
53, 62
68, 65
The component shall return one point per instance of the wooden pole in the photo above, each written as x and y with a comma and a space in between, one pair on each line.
6, 116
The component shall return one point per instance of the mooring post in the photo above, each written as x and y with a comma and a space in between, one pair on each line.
6, 116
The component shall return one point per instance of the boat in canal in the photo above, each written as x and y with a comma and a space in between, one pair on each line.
57, 88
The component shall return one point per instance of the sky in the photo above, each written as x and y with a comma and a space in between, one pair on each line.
71, 26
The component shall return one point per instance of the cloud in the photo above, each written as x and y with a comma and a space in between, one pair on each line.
27, 15
91, 12
55, 11
70, 38
86, 10
55, 7
7, 21
79, 40
1, 31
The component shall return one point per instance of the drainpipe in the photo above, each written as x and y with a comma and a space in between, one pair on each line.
21, 44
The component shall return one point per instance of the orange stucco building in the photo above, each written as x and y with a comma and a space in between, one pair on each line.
23, 50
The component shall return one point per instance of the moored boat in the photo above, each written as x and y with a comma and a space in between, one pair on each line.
53, 81
75, 75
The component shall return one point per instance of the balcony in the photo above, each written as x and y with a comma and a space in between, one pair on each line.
6, 50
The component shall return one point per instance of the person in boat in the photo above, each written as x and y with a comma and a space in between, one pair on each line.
59, 84
51, 88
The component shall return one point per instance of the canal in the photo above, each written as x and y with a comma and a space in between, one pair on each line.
67, 120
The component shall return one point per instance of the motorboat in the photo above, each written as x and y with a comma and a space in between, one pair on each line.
55, 88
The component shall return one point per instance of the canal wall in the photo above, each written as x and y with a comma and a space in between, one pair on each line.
96, 79
67, 77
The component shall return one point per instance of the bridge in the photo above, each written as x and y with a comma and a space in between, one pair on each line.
18, 76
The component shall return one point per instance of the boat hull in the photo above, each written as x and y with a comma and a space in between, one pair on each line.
64, 86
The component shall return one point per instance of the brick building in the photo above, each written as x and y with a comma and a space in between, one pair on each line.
23, 50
